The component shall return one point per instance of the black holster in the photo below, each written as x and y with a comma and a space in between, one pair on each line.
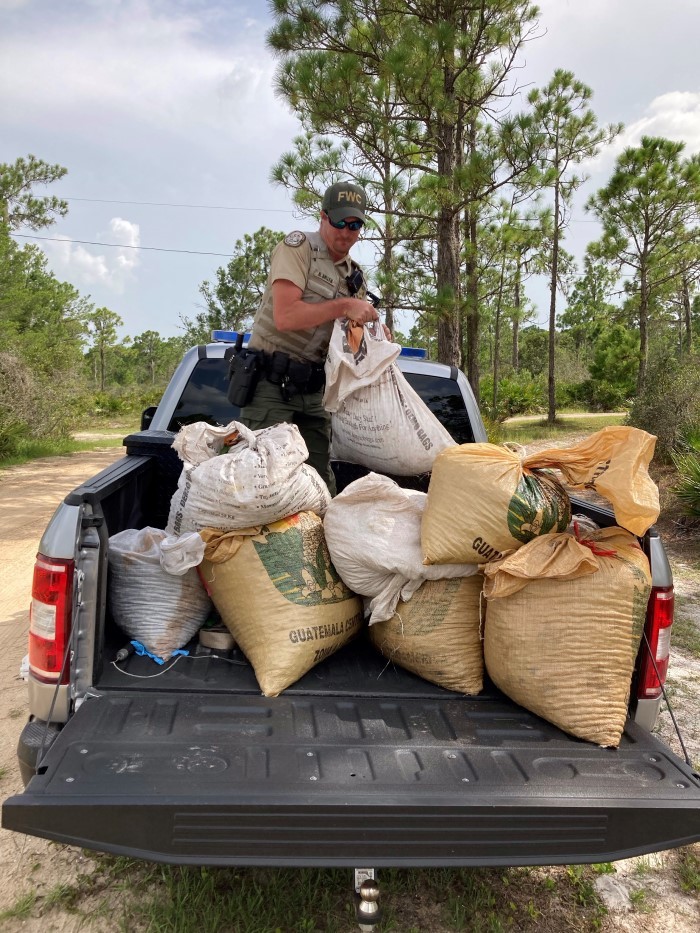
245, 369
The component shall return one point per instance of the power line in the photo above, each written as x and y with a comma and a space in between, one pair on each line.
157, 249
204, 207
223, 207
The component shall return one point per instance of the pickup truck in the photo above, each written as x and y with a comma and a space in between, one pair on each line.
346, 767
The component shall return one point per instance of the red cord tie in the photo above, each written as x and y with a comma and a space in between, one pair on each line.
593, 545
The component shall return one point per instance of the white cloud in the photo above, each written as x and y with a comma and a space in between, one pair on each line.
675, 115
113, 269
167, 70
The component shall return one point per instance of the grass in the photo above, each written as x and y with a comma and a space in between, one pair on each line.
22, 909
35, 449
151, 898
524, 432
685, 634
689, 871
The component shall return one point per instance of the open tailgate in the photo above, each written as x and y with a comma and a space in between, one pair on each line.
319, 781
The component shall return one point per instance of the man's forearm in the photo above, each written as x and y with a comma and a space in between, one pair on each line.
301, 315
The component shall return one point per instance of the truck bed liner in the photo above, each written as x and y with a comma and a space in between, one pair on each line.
304, 780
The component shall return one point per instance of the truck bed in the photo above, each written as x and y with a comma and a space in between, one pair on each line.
358, 764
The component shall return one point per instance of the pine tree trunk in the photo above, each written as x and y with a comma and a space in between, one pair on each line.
448, 259
552, 410
687, 343
515, 359
643, 329
497, 339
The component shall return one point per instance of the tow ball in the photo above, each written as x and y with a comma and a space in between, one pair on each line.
367, 908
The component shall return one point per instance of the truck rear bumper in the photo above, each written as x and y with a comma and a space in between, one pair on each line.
310, 781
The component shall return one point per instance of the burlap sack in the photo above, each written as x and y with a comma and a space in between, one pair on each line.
280, 597
437, 634
564, 621
485, 501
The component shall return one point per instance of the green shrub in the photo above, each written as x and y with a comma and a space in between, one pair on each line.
570, 394
669, 404
33, 406
601, 395
121, 401
11, 434
690, 439
518, 394
688, 487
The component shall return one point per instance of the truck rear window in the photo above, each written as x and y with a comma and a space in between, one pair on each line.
204, 399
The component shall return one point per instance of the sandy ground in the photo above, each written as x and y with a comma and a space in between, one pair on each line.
28, 496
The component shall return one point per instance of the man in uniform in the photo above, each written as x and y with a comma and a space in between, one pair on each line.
307, 290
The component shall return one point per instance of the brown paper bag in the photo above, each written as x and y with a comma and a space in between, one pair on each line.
280, 597
564, 621
437, 634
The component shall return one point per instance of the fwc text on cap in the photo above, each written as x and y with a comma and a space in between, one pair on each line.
343, 200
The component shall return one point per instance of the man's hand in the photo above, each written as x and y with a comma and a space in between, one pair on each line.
360, 311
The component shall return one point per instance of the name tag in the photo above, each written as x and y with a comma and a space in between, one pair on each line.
322, 285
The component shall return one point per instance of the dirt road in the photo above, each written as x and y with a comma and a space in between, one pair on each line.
34, 872
29, 495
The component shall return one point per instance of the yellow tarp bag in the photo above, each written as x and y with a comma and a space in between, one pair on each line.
564, 620
280, 597
437, 634
484, 501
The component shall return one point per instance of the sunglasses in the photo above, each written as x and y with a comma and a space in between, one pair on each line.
342, 224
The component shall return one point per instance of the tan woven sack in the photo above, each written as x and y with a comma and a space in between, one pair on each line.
437, 634
564, 621
280, 597
485, 501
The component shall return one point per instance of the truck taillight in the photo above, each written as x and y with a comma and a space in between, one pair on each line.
50, 618
658, 632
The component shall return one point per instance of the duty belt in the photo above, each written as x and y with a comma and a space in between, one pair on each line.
292, 376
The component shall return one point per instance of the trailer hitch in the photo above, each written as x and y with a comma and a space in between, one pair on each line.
367, 908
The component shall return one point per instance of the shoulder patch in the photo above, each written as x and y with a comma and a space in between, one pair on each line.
295, 238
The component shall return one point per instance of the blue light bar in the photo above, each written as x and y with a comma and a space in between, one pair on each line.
414, 353
228, 336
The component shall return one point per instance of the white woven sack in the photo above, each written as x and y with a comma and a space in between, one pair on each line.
178, 553
378, 420
158, 609
372, 530
357, 357
261, 479
201, 441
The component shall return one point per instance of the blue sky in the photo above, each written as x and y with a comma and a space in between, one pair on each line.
172, 103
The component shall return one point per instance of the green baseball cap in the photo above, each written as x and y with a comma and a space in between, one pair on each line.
343, 199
